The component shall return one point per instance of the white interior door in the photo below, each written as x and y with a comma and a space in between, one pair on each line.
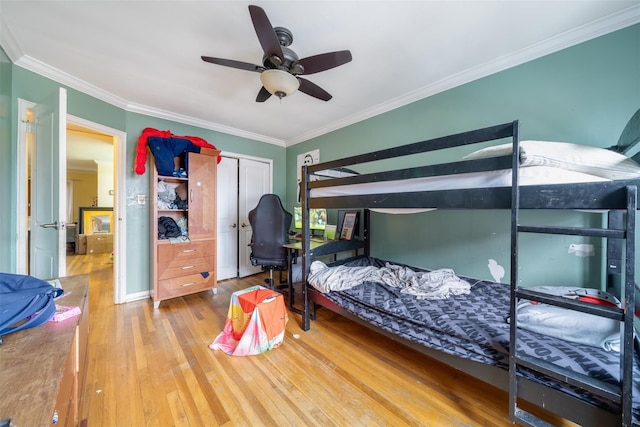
48, 177
227, 265
254, 181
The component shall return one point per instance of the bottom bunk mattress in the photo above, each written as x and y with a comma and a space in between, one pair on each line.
473, 325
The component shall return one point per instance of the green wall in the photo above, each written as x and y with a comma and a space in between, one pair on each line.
583, 94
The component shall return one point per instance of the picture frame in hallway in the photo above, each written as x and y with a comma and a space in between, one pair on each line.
95, 220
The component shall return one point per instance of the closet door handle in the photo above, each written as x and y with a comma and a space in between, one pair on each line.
191, 195
244, 225
234, 225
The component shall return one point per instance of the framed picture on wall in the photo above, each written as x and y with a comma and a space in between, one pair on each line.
95, 220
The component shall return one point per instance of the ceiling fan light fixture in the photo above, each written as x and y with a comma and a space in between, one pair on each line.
279, 83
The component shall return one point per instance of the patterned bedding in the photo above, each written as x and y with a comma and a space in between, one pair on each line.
475, 327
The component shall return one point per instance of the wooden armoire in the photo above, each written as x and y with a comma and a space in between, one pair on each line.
185, 264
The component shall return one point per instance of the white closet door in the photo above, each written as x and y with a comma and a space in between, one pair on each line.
227, 263
255, 180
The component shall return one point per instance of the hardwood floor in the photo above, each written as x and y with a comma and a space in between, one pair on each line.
154, 368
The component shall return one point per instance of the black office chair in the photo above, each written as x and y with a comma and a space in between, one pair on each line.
270, 224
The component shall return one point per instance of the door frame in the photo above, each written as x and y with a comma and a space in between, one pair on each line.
21, 189
119, 143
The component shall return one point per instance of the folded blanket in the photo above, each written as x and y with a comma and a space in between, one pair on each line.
437, 284
568, 324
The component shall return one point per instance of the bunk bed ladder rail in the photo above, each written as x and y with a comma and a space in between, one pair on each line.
620, 393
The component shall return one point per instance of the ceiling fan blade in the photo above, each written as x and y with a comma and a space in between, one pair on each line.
324, 61
234, 64
263, 95
313, 89
266, 34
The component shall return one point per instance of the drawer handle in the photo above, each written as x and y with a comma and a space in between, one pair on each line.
189, 284
187, 251
187, 267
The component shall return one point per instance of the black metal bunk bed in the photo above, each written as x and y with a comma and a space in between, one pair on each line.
618, 196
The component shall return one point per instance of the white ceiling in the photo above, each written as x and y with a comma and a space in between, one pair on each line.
144, 56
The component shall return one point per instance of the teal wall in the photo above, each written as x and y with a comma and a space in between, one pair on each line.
7, 185
21, 83
583, 94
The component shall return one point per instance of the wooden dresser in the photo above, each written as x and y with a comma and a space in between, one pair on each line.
42, 369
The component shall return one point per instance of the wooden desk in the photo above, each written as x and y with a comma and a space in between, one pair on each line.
330, 247
296, 246
42, 368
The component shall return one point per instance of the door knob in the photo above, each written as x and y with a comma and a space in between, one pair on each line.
244, 225
234, 225
52, 225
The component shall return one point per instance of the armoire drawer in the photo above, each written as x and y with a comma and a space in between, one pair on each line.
182, 267
177, 251
178, 286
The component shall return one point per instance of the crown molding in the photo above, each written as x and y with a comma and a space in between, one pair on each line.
168, 115
39, 67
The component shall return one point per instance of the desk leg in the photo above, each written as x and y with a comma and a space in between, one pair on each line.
292, 257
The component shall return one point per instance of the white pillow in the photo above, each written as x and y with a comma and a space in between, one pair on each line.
565, 155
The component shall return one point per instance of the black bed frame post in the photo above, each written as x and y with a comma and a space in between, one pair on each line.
614, 254
515, 207
365, 232
306, 308
626, 364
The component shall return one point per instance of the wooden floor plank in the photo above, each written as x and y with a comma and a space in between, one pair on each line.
154, 368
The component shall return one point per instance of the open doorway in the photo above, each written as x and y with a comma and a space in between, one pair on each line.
95, 170
90, 194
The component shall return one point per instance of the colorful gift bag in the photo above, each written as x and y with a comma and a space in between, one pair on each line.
255, 322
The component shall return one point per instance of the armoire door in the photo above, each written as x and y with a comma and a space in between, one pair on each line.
241, 183
202, 206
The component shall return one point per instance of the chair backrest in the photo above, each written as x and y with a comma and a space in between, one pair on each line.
270, 224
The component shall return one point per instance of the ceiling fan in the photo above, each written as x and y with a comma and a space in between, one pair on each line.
281, 68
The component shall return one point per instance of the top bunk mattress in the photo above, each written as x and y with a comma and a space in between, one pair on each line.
541, 163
